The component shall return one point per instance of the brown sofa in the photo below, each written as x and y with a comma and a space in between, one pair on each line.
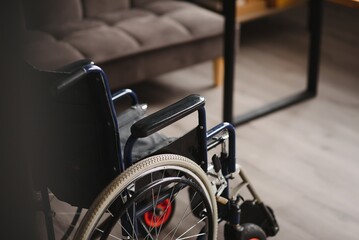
131, 40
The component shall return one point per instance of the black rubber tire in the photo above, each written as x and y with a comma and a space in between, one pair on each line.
252, 232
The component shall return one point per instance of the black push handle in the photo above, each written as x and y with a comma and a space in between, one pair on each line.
70, 80
167, 116
75, 72
71, 67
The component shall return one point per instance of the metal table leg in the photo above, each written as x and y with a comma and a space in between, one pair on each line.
229, 10
315, 25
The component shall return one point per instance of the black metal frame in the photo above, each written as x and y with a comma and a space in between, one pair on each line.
201, 139
315, 26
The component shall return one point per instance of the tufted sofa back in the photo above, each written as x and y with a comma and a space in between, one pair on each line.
52, 12
131, 40
93, 8
138, 3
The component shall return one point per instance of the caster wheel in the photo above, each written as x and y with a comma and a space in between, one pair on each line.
252, 232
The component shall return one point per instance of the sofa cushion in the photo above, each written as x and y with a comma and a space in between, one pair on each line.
113, 35
132, 31
45, 52
198, 21
155, 31
103, 43
161, 7
139, 3
35, 36
143, 146
115, 17
94, 8
51, 12
63, 30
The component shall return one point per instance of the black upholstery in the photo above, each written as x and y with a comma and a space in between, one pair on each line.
83, 144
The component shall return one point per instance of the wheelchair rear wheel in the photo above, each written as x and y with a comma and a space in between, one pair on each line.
152, 185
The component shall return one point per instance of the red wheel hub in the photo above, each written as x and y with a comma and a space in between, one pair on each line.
160, 215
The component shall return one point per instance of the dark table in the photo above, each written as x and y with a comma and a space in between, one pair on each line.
348, 3
315, 27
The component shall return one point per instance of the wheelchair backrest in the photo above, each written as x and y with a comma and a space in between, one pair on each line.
83, 141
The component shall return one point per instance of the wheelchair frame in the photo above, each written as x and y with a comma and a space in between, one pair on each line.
222, 167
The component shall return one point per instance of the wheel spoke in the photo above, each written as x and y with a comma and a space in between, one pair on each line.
154, 205
132, 225
109, 234
171, 201
192, 236
182, 216
154, 186
146, 229
192, 227
129, 218
118, 222
173, 198
199, 204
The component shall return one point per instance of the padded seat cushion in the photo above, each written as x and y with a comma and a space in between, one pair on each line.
52, 12
139, 3
115, 17
161, 7
42, 50
155, 31
93, 8
143, 146
35, 35
199, 22
63, 30
103, 43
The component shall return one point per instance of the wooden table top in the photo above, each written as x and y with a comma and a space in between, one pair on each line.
348, 3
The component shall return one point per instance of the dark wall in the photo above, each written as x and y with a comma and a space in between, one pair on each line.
17, 215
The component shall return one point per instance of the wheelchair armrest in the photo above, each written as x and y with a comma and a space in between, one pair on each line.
167, 116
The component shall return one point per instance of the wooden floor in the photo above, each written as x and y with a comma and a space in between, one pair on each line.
304, 161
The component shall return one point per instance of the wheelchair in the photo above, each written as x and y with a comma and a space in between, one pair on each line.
135, 182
